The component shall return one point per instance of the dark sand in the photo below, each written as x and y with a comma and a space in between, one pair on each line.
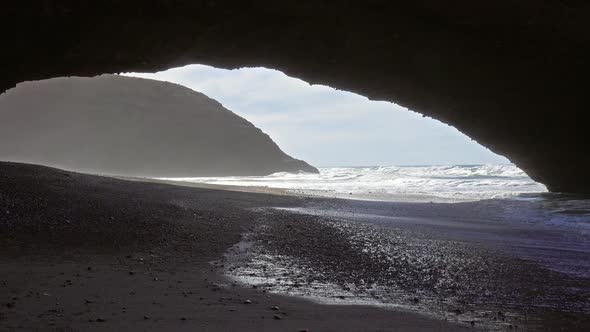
81, 252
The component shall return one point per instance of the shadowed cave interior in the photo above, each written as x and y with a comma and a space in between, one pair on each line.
511, 75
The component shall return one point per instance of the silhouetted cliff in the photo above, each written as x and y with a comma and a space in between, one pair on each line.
131, 126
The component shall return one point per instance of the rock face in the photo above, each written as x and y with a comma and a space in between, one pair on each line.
510, 74
132, 126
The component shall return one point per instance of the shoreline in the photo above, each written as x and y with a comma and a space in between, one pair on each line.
456, 228
311, 193
149, 246
321, 258
75, 255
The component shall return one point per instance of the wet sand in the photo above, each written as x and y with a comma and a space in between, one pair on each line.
82, 252
398, 265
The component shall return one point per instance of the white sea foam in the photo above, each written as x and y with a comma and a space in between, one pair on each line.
416, 183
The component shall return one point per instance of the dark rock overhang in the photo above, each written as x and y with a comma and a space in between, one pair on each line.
510, 74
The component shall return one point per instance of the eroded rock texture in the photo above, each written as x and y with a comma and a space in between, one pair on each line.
510, 74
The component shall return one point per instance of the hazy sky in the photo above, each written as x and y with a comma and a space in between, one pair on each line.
328, 127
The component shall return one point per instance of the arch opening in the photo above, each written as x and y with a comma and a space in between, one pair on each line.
510, 76
364, 149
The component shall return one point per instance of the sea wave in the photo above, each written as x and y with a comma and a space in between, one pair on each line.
422, 183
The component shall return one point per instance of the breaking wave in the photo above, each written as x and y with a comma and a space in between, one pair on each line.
407, 183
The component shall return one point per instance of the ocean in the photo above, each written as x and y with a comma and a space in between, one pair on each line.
451, 183
506, 191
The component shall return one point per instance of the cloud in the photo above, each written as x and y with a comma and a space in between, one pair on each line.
326, 126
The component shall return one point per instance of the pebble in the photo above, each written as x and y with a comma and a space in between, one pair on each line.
247, 302
275, 308
277, 317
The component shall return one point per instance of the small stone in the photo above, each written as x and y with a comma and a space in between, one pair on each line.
472, 323
247, 302
275, 308
146, 317
182, 318
277, 317
100, 320
88, 301
131, 273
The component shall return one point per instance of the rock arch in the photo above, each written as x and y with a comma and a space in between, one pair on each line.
510, 74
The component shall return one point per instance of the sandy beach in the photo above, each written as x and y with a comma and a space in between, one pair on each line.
82, 252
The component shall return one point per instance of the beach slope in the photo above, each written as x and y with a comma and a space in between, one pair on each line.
82, 252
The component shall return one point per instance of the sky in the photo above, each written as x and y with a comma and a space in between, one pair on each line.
328, 127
